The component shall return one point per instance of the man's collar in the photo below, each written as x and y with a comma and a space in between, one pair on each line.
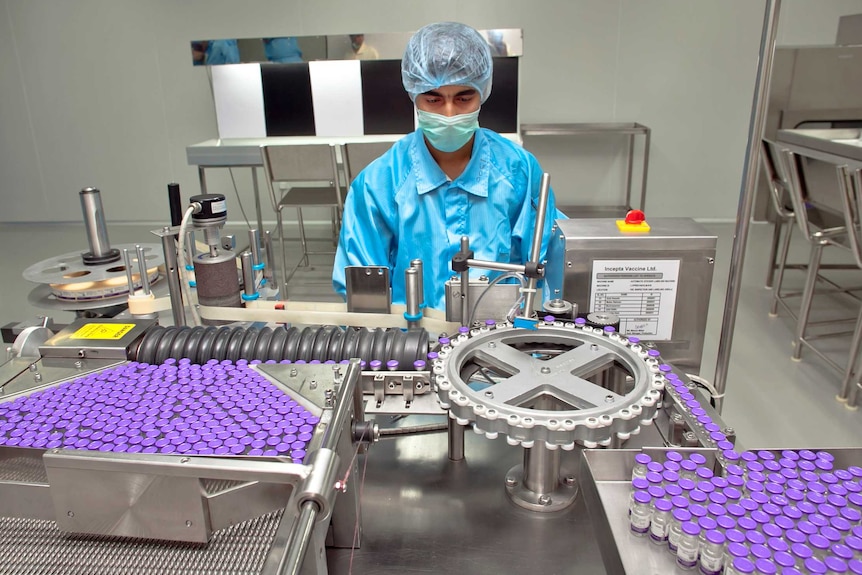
429, 176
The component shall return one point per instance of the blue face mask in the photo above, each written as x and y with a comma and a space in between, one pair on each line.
448, 133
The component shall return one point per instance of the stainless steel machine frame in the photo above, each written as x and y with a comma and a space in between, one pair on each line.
578, 243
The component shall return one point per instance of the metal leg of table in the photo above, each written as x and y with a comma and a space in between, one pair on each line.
646, 167
256, 199
630, 160
203, 179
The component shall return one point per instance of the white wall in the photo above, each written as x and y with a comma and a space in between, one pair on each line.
102, 92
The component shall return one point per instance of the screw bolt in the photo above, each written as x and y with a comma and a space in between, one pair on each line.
312, 384
545, 370
511, 481
185, 460
79, 364
70, 513
544, 499
489, 394
569, 480
609, 399
189, 523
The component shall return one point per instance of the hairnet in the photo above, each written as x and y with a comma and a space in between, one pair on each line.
446, 54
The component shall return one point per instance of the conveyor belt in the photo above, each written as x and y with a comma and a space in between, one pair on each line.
37, 547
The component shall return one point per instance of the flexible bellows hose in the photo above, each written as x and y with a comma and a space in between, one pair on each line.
200, 344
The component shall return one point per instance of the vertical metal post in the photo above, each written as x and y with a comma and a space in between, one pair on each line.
130, 278
536, 247
411, 295
142, 268
247, 266
645, 169
630, 160
541, 469
254, 246
256, 189
94, 222
172, 271
746, 195
465, 286
269, 269
417, 263
203, 179
456, 441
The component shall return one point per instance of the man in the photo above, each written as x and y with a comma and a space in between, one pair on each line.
359, 50
447, 179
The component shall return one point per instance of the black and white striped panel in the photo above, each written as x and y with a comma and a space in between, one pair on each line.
337, 98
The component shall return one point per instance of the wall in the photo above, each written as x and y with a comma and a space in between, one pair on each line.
102, 92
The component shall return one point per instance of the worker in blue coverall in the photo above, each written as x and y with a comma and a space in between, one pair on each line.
448, 179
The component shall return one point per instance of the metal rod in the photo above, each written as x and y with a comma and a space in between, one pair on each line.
297, 543
142, 268
245, 259
254, 246
498, 266
417, 263
541, 469
630, 160
127, 261
172, 271
747, 195
94, 221
645, 169
536, 247
456, 441
257, 209
191, 248
269, 269
465, 285
412, 295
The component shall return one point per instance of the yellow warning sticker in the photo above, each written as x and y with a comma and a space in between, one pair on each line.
102, 331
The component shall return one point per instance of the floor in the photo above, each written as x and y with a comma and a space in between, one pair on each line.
771, 400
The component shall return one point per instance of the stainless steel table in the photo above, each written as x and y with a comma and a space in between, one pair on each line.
630, 129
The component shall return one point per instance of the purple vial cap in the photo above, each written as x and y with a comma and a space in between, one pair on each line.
671, 466
655, 467
688, 465
784, 560
773, 488
801, 550
746, 523
549, 319
654, 353
580, 321
712, 427
375, 363
806, 507
806, 466
760, 498
609, 329
690, 528
761, 551
706, 486
825, 455
681, 515
807, 454
836, 501
716, 510
715, 537
823, 464
737, 550
419, 365
855, 566
704, 473
392, 363
743, 565
663, 505
818, 541
654, 477
772, 530
717, 497
672, 489
670, 476
656, 491
697, 496
735, 470
463, 329
807, 527
736, 509
855, 471
851, 515
687, 484
784, 522
748, 504
633, 339
842, 551
835, 564
755, 537
776, 543
830, 533
697, 510
640, 483
679, 502
736, 536
815, 566
642, 497
855, 499
707, 523
854, 543
725, 522
765, 566
673, 456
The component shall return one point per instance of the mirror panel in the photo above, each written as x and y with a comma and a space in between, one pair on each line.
287, 49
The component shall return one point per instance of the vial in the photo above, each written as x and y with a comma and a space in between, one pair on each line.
764, 567
641, 513
688, 546
679, 516
734, 551
660, 524
712, 553
640, 467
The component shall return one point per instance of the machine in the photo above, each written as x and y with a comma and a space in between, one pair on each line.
269, 438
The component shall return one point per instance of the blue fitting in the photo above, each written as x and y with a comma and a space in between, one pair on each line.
193, 283
410, 317
526, 323
251, 297
190, 267
258, 267
263, 282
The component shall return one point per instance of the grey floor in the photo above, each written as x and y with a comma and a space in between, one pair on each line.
771, 401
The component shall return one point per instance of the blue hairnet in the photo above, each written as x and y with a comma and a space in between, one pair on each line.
446, 54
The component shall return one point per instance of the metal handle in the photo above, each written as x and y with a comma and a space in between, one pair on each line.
142, 268
94, 221
536, 248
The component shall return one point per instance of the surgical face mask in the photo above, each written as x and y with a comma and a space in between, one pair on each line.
448, 133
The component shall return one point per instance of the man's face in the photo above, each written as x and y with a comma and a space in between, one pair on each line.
450, 100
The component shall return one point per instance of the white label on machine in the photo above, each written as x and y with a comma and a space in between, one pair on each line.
218, 207
641, 292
